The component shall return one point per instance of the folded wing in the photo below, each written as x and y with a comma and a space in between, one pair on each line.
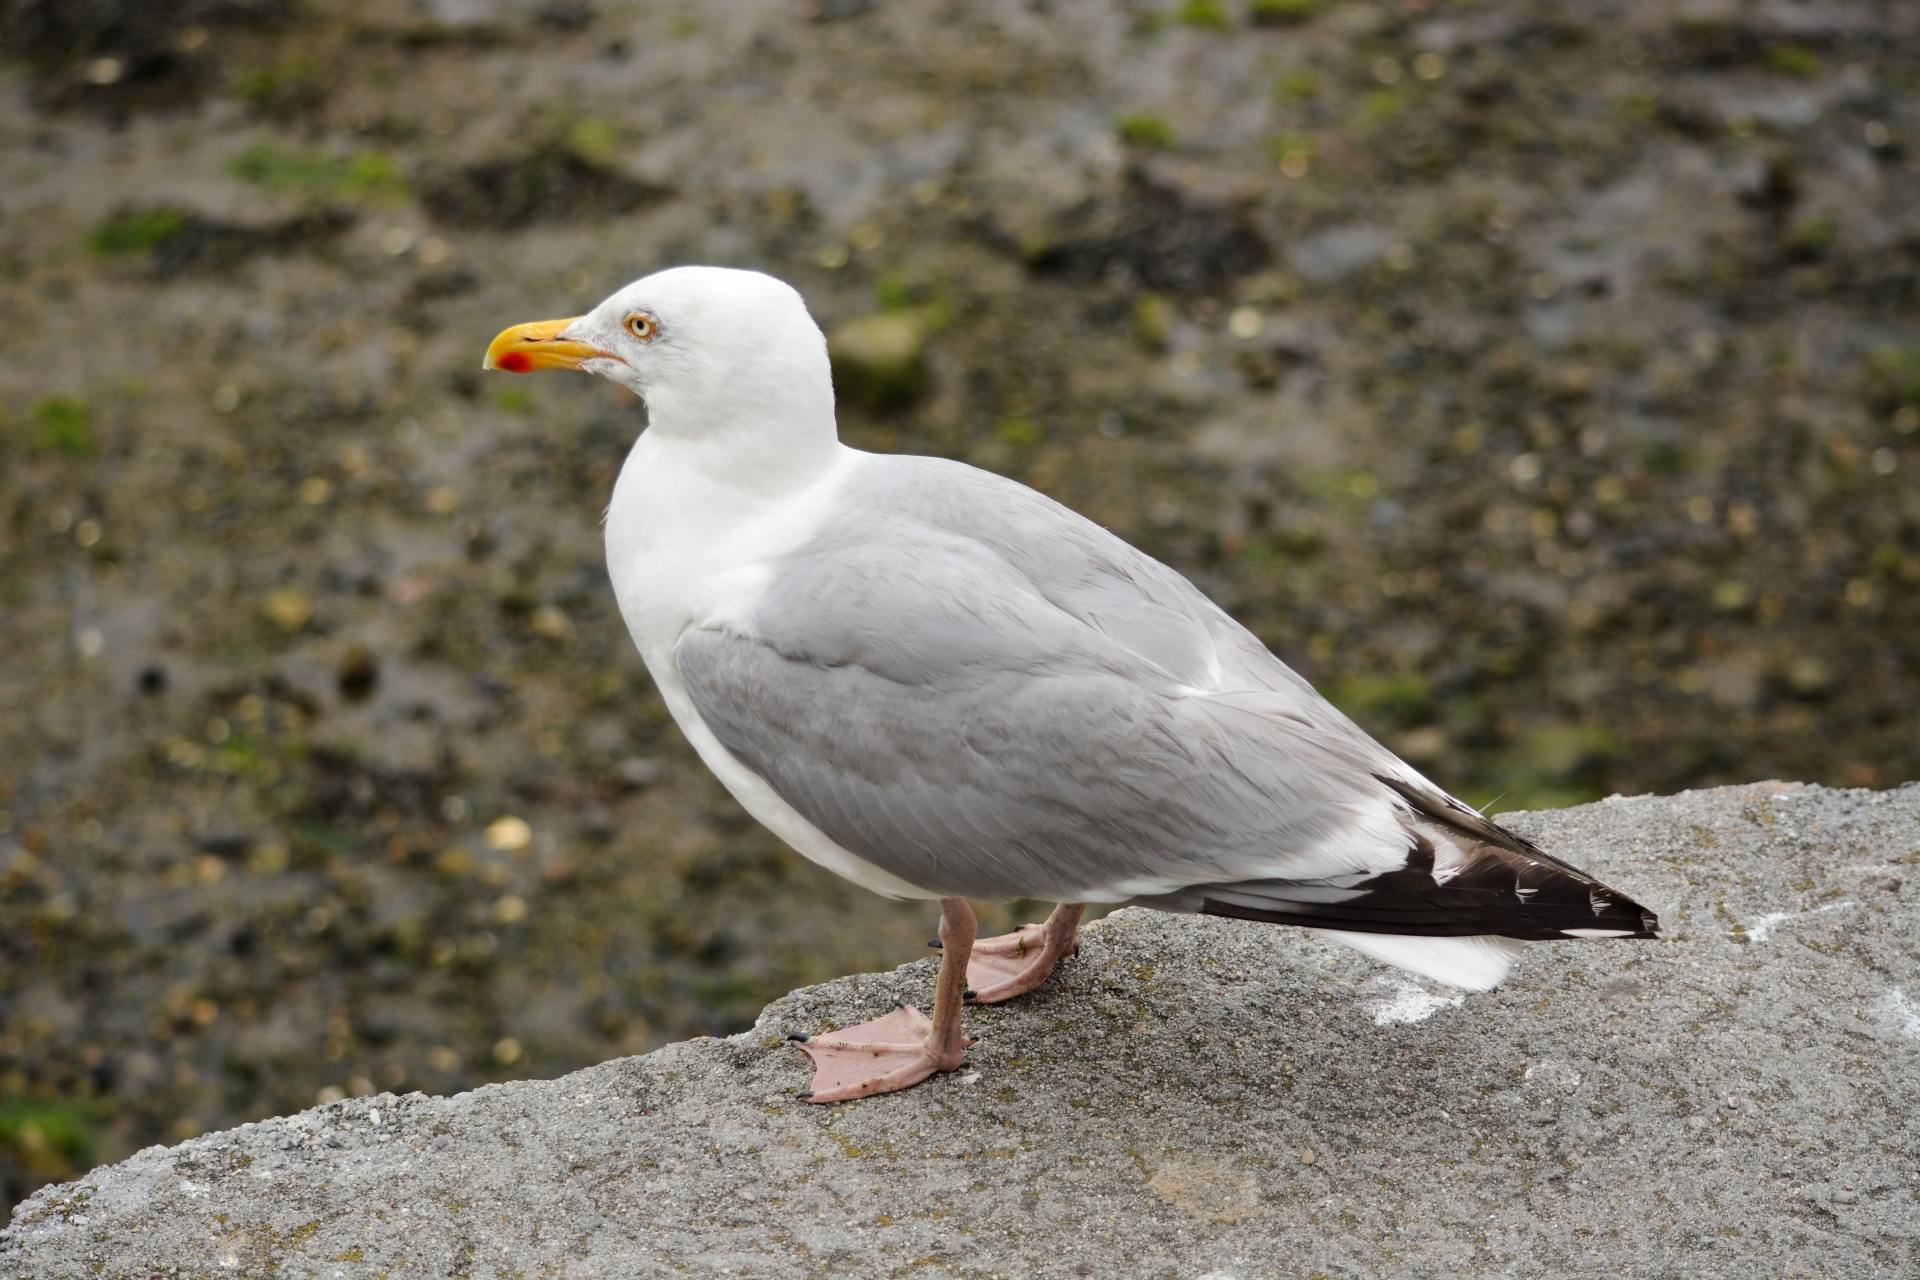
987, 695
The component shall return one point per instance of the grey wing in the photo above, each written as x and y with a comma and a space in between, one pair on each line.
978, 742
987, 695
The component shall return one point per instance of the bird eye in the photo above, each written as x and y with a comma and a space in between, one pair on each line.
642, 326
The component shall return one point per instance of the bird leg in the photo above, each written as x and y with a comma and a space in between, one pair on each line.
1015, 963
903, 1048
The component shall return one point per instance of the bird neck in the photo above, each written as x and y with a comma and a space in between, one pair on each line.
749, 459
764, 426
696, 476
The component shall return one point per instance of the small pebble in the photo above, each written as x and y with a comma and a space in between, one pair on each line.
637, 772
358, 675
509, 834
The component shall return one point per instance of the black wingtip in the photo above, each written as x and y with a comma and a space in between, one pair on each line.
1495, 892
936, 944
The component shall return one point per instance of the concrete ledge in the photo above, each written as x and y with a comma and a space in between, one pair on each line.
1191, 1097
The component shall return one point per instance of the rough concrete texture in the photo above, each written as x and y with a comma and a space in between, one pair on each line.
1189, 1098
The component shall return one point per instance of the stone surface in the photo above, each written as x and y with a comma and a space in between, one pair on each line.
1189, 1098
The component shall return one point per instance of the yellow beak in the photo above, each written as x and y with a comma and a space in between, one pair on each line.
527, 347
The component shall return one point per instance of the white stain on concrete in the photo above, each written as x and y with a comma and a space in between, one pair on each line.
1762, 929
1397, 1002
1905, 1012
1551, 1073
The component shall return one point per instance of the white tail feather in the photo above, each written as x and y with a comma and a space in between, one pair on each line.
1477, 963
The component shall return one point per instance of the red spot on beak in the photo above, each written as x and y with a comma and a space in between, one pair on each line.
514, 362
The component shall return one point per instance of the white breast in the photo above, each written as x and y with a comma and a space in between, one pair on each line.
684, 551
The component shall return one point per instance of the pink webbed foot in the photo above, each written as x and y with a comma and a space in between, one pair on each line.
1016, 963
886, 1055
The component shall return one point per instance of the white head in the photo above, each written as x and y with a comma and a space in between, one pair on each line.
715, 353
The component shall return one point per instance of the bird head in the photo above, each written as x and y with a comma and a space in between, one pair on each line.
698, 344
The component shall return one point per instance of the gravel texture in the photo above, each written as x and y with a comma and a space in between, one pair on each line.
1190, 1097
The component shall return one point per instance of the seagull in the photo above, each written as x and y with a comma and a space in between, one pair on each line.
940, 683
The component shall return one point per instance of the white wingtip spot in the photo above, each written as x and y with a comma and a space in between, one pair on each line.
1597, 933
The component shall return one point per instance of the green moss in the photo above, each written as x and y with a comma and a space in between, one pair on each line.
594, 140
1793, 60
1893, 376
1808, 239
136, 230
1383, 106
286, 87
1017, 431
1300, 84
1145, 129
895, 292
1210, 14
53, 1138
1551, 766
1152, 320
1641, 108
1664, 458
513, 399
1558, 750
64, 424
1398, 695
1275, 13
318, 173
1287, 145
